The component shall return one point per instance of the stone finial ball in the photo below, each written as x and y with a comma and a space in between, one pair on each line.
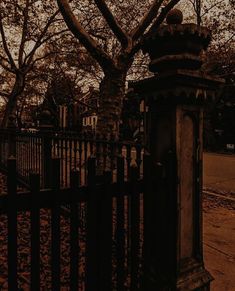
175, 16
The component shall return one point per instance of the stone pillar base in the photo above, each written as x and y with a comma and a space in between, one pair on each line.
196, 280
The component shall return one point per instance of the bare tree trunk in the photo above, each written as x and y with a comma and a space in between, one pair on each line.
13, 97
198, 12
112, 91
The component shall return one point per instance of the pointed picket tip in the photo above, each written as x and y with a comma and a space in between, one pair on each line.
76, 169
133, 164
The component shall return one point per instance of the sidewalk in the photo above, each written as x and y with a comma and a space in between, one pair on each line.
219, 242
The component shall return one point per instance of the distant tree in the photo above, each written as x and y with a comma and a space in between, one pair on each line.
113, 37
74, 61
25, 27
218, 16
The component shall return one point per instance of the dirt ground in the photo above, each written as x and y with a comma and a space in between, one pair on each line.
219, 242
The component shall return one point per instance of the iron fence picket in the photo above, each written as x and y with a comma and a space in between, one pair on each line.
92, 278
60, 152
55, 227
31, 146
138, 159
128, 209
66, 162
105, 225
70, 157
80, 162
35, 231
112, 153
91, 143
74, 233
74, 166
12, 224
120, 231
85, 159
134, 228
98, 154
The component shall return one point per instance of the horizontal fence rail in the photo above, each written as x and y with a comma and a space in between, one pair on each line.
94, 244
34, 152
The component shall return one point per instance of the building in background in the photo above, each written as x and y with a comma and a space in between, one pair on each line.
81, 114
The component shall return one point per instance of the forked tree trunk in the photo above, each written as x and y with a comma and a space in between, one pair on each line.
112, 91
13, 97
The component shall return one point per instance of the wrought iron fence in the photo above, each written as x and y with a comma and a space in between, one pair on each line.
28, 153
4, 147
34, 151
97, 245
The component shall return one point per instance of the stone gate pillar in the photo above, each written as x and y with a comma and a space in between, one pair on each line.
173, 211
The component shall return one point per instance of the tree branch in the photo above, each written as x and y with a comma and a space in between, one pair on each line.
112, 22
38, 43
41, 58
5, 46
227, 41
53, 35
79, 32
154, 27
4, 66
161, 17
147, 19
24, 32
211, 7
4, 95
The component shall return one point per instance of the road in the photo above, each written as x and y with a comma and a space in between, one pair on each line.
219, 220
219, 172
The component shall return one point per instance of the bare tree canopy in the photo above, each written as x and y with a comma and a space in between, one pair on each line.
25, 27
123, 28
34, 40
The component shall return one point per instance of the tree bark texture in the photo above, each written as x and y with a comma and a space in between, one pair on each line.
112, 92
13, 97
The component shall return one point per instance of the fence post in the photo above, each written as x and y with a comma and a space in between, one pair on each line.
74, 233
135, 227
46, 159
12, 136
46, 131
120, 231
92, 269
105, 209
55, 224
34, 180
2, 143
12, 224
